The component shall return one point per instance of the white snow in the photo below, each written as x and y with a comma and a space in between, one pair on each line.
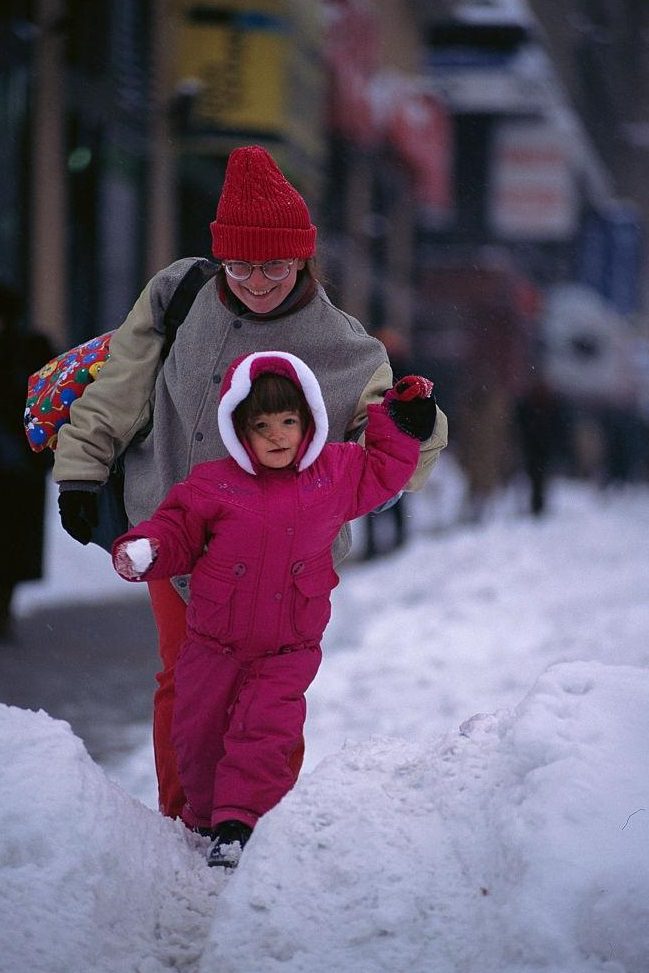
475, 798
140, 553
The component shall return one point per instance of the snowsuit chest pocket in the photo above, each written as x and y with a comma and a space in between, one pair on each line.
212, 609
311, 603
315, 490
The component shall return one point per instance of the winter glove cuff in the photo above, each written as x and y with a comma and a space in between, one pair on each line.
89, 486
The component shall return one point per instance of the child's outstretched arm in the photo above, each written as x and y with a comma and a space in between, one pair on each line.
175, 535
405, 418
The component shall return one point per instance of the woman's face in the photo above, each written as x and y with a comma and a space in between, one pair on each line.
261, 295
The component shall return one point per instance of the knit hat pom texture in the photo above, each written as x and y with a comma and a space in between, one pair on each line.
260, 215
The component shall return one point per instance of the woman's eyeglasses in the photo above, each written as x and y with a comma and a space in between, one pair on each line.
274, 270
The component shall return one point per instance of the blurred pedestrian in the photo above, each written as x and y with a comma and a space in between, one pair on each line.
537, 420
264, 295
23, 475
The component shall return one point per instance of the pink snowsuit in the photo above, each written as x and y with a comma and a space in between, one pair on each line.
258, 544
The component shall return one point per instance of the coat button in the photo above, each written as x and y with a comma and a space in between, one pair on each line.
239, 569
298, 567
236, 324
278, 596
290, 530
216, 378
199, 437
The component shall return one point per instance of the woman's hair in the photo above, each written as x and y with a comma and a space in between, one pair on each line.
310, 268
270, 393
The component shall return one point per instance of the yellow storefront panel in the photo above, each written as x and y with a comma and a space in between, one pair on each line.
235, 55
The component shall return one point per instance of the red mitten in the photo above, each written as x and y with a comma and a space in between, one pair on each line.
413, 387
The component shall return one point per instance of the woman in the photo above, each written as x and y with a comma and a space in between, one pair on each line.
264, 297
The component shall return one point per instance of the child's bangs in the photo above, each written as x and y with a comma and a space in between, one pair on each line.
269, 394
274, 393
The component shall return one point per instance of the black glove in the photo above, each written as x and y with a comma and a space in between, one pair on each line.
411, 405
79, 513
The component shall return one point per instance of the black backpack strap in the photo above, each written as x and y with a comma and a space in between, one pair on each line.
183, 297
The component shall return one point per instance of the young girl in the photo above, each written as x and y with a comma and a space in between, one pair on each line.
256, 531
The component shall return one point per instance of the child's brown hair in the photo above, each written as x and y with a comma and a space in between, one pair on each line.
270, 393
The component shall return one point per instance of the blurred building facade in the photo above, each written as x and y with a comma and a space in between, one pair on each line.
462, 160
78, 179
121, 115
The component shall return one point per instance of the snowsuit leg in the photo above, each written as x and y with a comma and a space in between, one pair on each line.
207, 682
169, 612
265, 728
237, 724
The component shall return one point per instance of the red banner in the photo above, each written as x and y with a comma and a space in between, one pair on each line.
421, 132
352, 52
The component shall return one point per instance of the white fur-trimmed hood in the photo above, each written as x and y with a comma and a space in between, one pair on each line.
237, 384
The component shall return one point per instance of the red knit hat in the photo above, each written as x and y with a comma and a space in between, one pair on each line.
260, 216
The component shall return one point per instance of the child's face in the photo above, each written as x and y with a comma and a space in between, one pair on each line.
275, 438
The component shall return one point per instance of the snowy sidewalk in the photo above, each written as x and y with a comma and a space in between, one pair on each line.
92, 664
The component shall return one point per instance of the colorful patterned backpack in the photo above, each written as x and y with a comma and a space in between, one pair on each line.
54, 387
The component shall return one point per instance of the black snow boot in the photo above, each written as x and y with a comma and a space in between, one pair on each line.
228, 841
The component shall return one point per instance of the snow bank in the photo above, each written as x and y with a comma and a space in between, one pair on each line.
92, 881
515, 845
467, 621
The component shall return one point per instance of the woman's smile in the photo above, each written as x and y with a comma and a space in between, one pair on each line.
261, 295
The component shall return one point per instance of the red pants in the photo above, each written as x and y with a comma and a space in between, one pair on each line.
169, 614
